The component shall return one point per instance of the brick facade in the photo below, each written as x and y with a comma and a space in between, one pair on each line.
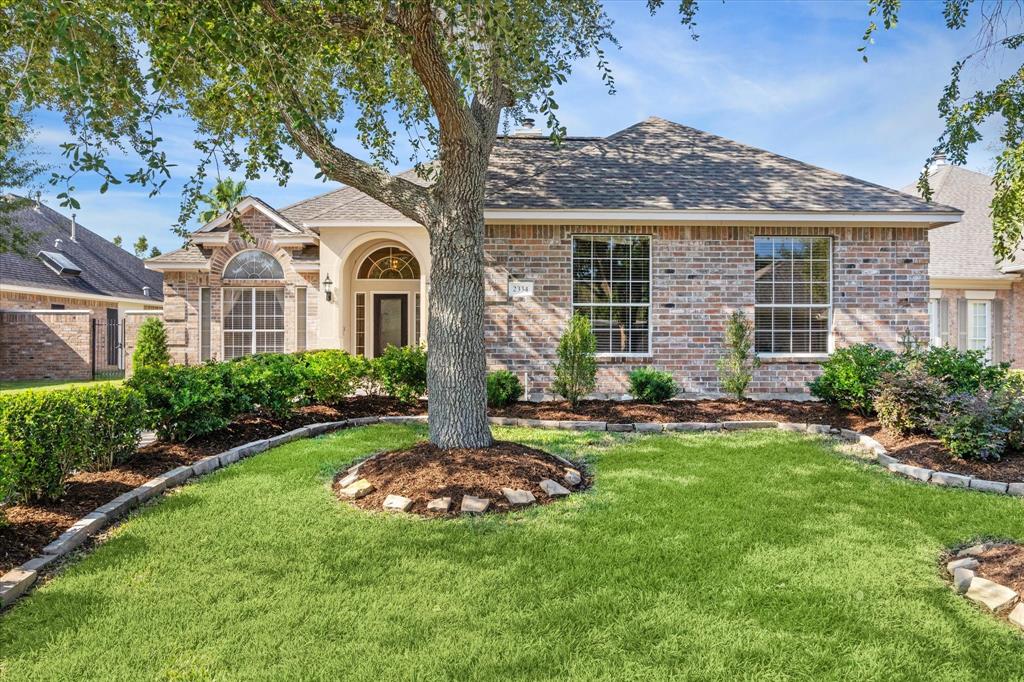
1013, 319
45, 344
700, 275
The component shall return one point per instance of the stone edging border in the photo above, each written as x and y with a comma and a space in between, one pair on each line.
997, 598
18, 580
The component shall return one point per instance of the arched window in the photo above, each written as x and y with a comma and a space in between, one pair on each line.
390, 263
253, 264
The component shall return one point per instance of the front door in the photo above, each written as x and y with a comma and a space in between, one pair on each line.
390, 321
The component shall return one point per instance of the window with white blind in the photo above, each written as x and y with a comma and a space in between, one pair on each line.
300, 318
204, 324
611, 286
792, 295
253, 321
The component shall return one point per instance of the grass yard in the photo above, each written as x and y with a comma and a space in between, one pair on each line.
756, 555
52, 384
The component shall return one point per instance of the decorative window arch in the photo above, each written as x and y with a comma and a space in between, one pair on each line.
390, 262
253, 264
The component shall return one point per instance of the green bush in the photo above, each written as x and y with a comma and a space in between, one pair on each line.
850, 376
503, 388
269, 381
963, 371
576, 369
151, 345
648, 385
971, 426
401, 372
908, 400
184, 401
736, 368
46, 435
1010, 399
333, 375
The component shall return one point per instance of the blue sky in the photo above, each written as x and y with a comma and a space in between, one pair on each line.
784, 76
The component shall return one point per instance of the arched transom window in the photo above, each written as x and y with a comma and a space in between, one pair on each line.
253, 265
390, 263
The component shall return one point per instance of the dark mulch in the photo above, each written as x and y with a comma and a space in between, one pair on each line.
423, 472
31, 527
1003, 564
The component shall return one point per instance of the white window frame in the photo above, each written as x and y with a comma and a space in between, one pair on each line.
830, 341
986, 305
650, 293
252, 324
934, 331
206, 324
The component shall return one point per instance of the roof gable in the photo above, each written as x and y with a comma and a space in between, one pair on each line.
250, 202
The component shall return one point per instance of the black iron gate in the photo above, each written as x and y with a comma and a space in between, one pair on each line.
108, 347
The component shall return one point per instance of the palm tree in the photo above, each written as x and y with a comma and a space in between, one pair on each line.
224, 196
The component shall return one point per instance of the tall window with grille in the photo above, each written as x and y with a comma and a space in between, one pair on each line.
360, 324
793, 295
611, 286
253, 321
300, 318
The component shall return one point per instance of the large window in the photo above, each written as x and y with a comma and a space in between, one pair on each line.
253, 321
792, 294
253, 265
611, 285
979, 326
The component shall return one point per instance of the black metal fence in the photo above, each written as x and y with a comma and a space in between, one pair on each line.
108, 347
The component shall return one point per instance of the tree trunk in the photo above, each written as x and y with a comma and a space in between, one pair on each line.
456, 362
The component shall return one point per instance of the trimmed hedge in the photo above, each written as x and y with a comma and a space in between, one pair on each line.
333, 375
185, 401
503, 388
46, 435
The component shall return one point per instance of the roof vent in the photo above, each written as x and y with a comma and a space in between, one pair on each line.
527, 129
74, 226
939, 159
145, 291
58, 244
60, 263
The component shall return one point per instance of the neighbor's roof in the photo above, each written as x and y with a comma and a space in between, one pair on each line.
962, 250
107, 270
652, 165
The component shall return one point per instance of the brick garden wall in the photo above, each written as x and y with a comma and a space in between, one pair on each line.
700, 275
45, 344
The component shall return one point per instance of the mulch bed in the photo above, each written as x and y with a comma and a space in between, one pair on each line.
424, 472
30, 527
1003, 564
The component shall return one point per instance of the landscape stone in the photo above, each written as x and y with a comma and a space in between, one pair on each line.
974, 550
919, 473
648, 427
573, 477
967, 562
951, 480
206, 465
439, 504
620, 428
360, 488
1017, 615
349, 479
988, 486
87, 525
579, 425
1015, 489
516, 498
819, 428
39, 563
362, 421
503, 421
886, 460
962, 578
791, 426
747, 425
553, 488
689, 426
15, 583
230, 456
850, 435
994, 596
120, 505
397, 503
474, 505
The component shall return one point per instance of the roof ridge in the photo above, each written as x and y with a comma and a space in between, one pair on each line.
313, 198
359, 194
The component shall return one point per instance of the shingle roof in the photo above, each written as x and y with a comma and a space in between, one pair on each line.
652, 165
964, 249
106, 269
190, 254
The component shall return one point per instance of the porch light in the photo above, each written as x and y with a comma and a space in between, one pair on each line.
327, 287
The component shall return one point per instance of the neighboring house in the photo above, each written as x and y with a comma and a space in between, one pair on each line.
975, 303
63, 301
655, 233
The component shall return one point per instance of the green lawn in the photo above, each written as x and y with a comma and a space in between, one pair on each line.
51, 384
757, 555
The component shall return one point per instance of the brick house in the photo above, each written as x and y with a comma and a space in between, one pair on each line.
974, 302
64, 300
656, 233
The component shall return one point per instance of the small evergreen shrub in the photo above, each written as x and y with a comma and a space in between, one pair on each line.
184, 401
333, 375
269, 381
736, 368
576, 369
116, 415
151, 345
503, 388
1010, 399
963, 371
401, 372
648, 385
971, 426
850, 376
909, 400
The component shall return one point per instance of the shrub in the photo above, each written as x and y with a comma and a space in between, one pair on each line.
1010, 399
184, 401
271, 381
333, 375
576, 369
963, 371
503, 388
648, 385
971, 426
908, 400
736, 369
851, 375
46, 435
151, 345
401, 372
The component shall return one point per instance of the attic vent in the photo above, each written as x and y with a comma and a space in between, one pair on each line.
527, 129
145, 291
60, 263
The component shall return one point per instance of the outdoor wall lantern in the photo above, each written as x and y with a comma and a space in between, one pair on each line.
327, 287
